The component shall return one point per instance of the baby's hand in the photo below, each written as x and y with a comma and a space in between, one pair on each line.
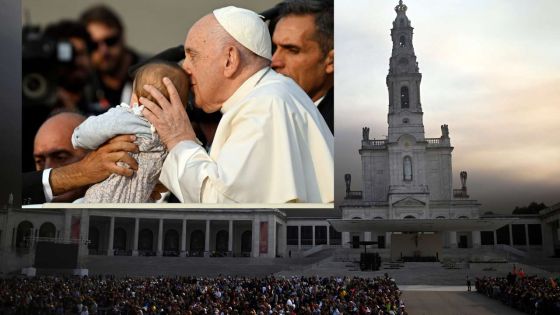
158, 192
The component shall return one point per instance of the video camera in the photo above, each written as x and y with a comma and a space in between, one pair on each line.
41, 57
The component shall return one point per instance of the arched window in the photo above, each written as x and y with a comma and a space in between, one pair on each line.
171, 241
402, 41
146, 240
93, 236
407, 168
246, 240
404, 97
197, 243
410, 217
47, 229
222, 238
23, 234
119, 241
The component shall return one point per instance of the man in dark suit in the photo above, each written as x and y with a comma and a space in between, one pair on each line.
304, 39
41, 186
53, 147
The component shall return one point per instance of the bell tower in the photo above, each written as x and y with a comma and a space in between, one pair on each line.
403, 82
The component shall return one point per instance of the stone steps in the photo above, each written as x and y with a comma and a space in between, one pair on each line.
197, 266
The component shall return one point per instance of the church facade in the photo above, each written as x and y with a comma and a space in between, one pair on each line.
408, 175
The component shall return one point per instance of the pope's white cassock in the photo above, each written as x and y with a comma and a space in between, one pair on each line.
271, 146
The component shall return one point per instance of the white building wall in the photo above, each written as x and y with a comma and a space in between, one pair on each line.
439, 176
368, 175
381, 175
375, 174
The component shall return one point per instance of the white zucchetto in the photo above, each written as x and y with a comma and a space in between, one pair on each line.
246, 27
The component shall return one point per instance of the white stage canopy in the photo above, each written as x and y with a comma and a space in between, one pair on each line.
419, 225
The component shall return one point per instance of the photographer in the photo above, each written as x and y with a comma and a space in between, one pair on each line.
57, 77
74, 90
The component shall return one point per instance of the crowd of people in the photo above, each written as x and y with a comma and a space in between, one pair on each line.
190, 295
529, 294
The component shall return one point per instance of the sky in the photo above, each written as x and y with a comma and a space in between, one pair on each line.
490, 70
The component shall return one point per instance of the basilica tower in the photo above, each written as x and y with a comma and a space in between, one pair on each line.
403, 82
407, 171
407, 175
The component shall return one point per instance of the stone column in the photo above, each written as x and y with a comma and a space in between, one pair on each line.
346, 239
313, 235
135, 240
510, 235
207, 240
526, 235
367, 238
6, 237
184, 238
299, 237
14, 237
230, 237
111, 237
256, 237
282, 234
271, 236
495, 238
388, 239
453, 239
328, 235
547, 238
67, 224
476, 239
159, 251
84, 232
33, 238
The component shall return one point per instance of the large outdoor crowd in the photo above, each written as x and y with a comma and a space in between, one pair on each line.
190, 295
532, 295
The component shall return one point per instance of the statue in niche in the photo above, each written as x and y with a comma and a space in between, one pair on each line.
365, 133
463, 176
348, 180
444, 131
407, 168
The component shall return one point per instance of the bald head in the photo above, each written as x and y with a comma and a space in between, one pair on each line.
53, 146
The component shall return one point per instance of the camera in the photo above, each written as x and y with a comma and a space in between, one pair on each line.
41, 59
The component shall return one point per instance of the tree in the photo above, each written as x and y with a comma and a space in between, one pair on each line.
532, 208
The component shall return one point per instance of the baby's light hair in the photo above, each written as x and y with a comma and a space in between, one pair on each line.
153, 74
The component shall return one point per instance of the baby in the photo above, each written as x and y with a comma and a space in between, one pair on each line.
128, 119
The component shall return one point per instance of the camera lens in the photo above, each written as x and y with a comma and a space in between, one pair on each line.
34, 86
